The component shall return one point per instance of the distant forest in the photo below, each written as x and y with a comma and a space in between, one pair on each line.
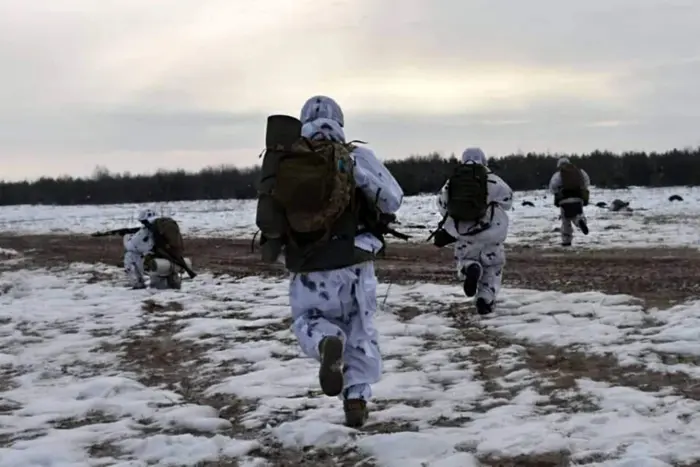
416, 174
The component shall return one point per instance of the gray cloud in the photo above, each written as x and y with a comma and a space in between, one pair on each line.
577, 34
139, 85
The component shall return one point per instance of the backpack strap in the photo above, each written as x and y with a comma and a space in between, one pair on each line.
477, 229
481, 226
437, 229
444, 218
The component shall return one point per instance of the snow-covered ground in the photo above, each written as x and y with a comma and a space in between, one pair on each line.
654, 222
95, 374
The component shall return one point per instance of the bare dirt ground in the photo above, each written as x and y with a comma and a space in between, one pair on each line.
661, 277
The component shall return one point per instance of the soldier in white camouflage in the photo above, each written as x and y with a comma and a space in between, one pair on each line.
570, 187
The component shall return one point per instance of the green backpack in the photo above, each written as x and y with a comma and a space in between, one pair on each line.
315, 184
573, 184
168, 236
571, 177
467, 193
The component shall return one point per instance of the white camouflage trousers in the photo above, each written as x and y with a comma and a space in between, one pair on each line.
341, 303
137, 246
567, 208
133, 266
491, 257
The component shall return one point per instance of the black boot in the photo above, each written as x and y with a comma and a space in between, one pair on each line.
174, 281
356, 412
483, 307
583, 226
330, 375
472, 275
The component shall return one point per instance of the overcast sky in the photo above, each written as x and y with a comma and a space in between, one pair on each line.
136, 85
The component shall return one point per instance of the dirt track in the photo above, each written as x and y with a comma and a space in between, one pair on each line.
661, 276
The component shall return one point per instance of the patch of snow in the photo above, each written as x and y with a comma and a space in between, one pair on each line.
8, 252
449, 396
62, 392
599, 324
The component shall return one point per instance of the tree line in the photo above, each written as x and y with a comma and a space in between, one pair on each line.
416, 174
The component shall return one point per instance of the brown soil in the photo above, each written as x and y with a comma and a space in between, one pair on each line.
661, 275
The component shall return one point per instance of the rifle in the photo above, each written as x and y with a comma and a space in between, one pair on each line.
383, 226
120, 232
178, 261
378, 225
375, 221
159, 250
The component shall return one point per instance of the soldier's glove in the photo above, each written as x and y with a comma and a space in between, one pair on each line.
387, 219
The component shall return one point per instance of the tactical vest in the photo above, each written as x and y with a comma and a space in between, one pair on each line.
338, 252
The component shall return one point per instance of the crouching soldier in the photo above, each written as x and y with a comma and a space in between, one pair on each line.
570, 187
155, 249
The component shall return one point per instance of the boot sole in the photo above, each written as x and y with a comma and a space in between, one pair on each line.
471, 281
482, 308
584, 227
330, 375
356, 414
